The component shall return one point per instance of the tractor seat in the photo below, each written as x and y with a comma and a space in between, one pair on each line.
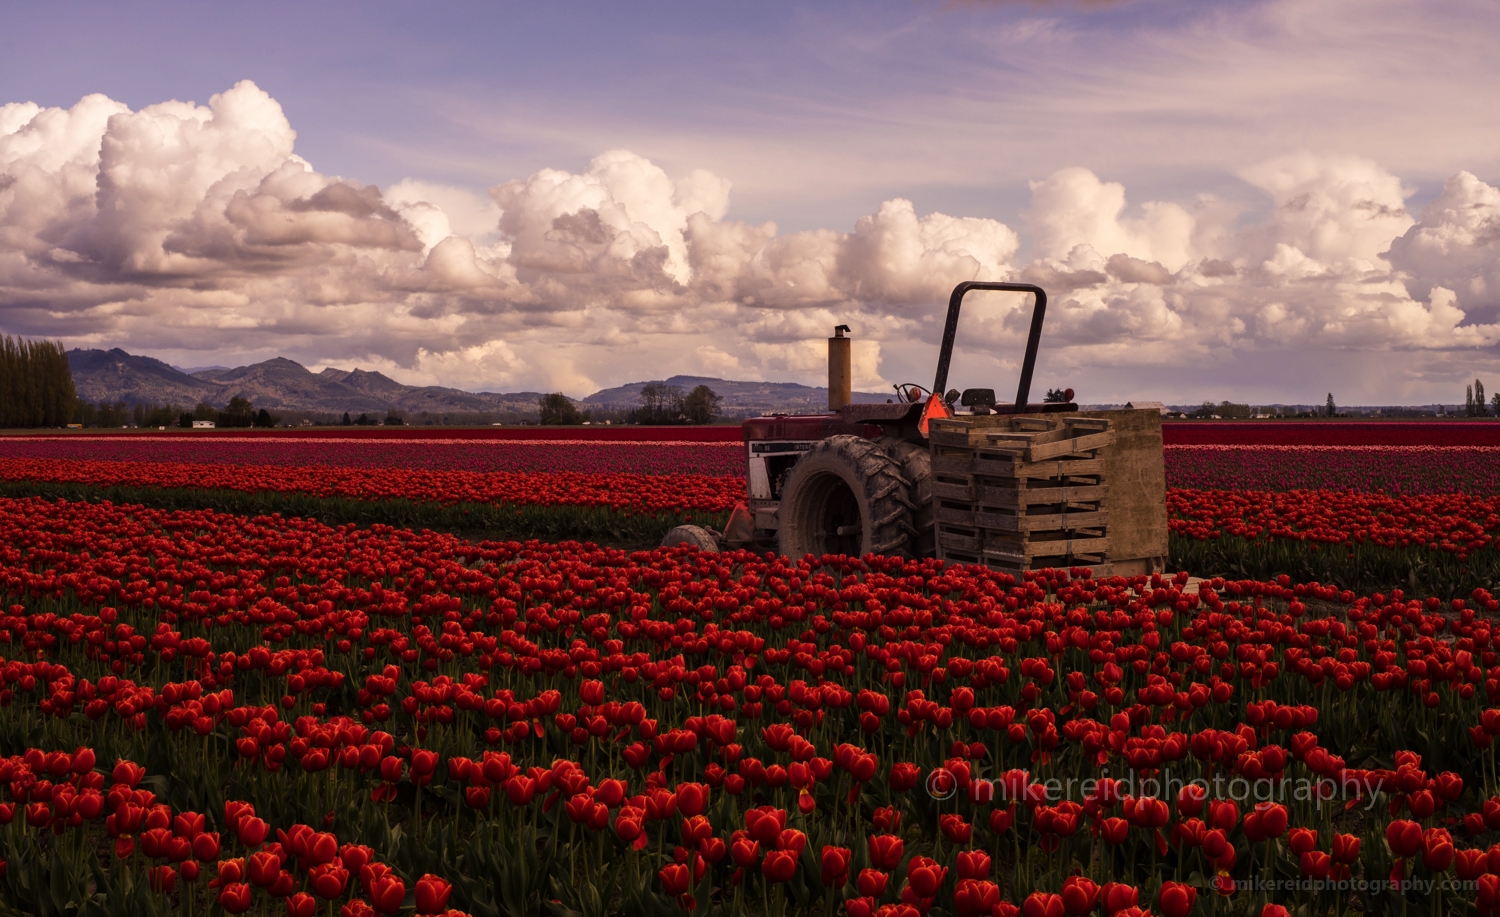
979, 400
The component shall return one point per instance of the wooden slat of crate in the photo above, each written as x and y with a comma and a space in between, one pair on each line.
963, 514
1040, 546
1099, 567
1014, 497
1022, 544
952, 461
960, 539
1077, 444
1018, 434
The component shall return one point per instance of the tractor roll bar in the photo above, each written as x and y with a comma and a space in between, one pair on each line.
950, 330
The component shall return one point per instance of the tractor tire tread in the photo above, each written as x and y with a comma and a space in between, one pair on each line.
882, 489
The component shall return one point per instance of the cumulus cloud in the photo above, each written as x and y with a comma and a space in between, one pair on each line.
196, 231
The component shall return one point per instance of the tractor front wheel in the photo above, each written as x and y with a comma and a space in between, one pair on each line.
845, 495
695, 535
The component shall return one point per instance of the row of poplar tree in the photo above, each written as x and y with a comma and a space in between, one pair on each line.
36, 385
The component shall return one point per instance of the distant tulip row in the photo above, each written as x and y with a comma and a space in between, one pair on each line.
1395, 470
641, 493
659, 456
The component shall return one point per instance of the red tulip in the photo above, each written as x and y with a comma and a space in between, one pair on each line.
206, 846
779, 866
924, 876
696, 829
328, 880
252, 831
955, 828
235, 898
1345, 848
162, 879
1270, 821
1301, 840
301, 905
765, 824
1117, 897
973, 864
1404, 838
675, 879
1489, 893
713, 849
1079, 895
1000, 819
1177, 899
432, 894
1437, 849
1422, 804
692, 799
1315, 864
885, 851
1223, 814
904, 776
835, 866
974, 898
1114, 830
744, 852
1042, 904
872, 883
1190, 800
519, 791
263, 868
386, 894
1470, 864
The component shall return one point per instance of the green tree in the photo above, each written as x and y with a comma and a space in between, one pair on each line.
661, 404
701, 405
264, 418
205, 411
347, 421
1479, 402
239, 413
558, 409
1330, 409
36, 384
394, 419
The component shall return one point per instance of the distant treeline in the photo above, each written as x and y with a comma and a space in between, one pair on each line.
36, 385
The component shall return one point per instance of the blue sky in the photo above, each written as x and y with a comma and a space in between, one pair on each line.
814, 116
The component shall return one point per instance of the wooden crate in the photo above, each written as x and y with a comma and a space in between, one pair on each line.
1020, 496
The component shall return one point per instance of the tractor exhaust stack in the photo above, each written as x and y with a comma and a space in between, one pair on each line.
840, 370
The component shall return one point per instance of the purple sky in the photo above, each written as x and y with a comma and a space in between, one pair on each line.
1262, 201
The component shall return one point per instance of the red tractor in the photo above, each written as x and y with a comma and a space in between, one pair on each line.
858, 479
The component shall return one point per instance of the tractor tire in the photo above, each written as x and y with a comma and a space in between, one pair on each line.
847, 496
695, 535
916, 465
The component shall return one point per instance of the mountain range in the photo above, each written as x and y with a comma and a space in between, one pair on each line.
280, 384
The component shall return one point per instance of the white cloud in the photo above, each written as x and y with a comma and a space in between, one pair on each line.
196, 231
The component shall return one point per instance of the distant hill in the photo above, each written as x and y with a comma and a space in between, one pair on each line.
741, 399
114, 375
285, 385
278, 384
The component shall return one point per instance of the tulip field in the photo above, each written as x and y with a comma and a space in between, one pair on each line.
299, 710
218, 714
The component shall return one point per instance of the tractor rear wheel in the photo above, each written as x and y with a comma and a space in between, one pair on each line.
916, 465
845, 495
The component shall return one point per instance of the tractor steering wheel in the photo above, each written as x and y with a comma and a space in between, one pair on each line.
911, 392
